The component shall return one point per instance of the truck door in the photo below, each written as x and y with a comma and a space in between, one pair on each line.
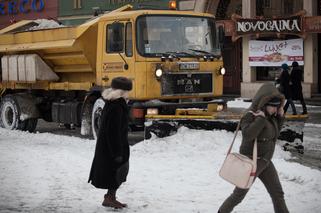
117, 56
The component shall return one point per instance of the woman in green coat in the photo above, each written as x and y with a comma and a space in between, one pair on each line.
262, 121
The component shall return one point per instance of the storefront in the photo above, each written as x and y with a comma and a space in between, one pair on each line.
244, 76
274, 41
12, 11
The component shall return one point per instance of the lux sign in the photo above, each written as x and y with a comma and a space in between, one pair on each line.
13, 7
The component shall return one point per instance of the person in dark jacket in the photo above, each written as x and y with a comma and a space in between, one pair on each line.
286, 88
262, 122
296, 79
110, 164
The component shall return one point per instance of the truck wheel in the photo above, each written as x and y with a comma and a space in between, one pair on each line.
10, 114
96, 116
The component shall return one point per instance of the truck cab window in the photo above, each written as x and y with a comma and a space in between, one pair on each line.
115, 38
129, 40
185, 35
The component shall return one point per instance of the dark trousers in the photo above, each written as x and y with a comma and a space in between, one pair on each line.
289, 102
304, 107
267, 173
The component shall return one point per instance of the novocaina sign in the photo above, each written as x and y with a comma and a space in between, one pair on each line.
281, 25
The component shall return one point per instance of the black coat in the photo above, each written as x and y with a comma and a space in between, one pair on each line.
296, 78
112, 142
285, 84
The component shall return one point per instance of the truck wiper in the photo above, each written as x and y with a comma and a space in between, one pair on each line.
183, 53
205, 52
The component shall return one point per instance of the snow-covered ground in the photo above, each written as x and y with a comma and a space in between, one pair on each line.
44, 172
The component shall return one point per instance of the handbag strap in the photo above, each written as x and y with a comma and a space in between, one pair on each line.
254, 154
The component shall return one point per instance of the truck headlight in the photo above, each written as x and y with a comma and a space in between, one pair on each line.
222, 71
220, 107
152, 111
158, 73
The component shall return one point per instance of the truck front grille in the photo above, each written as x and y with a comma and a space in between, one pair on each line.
187, 83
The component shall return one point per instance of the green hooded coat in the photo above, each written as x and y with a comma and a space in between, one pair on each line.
265, 129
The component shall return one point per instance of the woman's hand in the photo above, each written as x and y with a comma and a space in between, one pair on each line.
258, 113
281, 111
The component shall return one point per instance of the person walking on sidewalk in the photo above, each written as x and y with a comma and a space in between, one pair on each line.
262, 121
296, 79
285, 82
110, 164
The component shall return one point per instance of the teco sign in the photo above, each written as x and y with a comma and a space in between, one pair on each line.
14, 7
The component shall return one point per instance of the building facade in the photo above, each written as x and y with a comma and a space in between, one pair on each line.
244, 77
74, 12
12, 11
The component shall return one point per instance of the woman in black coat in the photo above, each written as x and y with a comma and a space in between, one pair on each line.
286, 88
110, 164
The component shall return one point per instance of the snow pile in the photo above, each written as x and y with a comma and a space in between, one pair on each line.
238, 103
48, 173
45, 24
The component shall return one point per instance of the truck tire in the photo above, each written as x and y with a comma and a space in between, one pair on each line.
96, 116
10, 114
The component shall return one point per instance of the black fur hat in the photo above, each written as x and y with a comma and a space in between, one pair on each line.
122, 83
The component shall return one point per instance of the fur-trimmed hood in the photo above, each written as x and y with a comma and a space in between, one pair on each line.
266, 92
113, 94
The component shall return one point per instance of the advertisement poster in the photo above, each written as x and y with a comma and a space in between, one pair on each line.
275, 53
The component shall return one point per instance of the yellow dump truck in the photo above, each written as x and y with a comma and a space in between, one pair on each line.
172, 57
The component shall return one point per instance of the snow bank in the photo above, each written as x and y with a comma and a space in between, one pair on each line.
48, 173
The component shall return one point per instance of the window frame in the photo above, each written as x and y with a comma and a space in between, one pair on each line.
129, 48
77, 4
107, 50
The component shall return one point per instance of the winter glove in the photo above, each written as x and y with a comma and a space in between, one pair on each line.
118, 159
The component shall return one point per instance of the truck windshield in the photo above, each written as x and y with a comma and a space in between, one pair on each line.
184, 36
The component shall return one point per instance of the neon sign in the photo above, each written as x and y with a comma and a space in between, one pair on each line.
14, 7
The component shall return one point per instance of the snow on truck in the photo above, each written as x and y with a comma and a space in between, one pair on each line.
172, 57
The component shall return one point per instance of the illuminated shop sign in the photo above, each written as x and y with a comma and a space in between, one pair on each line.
292, 25
14, 7
240, 26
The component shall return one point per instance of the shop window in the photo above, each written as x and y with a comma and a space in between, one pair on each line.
225, 8
288, 7
271, 8
267, 73
267, 3
129, 40
115, 38
77, 4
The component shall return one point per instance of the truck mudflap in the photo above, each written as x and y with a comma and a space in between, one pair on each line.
291, 135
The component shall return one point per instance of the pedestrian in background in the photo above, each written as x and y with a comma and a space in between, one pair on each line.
111, 161
296, 79
262, 122
285, 85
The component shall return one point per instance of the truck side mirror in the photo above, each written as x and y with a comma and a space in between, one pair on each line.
221, 34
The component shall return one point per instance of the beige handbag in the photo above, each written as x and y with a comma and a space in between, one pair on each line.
239, 169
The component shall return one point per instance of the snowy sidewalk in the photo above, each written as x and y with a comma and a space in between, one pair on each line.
178, 174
